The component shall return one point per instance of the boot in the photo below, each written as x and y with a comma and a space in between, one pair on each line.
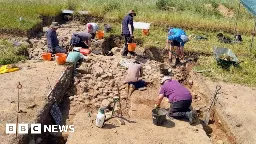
192, 117
177, 61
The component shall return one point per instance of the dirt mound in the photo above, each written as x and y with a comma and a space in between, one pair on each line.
226, 12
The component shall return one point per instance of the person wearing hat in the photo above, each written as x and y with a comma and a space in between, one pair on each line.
176, 38
52, 40
81, 39
92, 28
127, 29
180, 99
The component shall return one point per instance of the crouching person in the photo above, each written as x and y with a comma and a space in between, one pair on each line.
133, 77
75, 57
180, 100
82, 39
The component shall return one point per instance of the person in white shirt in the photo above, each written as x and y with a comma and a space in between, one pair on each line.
92, 28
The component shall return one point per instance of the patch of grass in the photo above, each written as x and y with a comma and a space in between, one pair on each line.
244, 74
11, 54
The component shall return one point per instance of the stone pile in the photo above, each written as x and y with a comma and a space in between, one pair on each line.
101, 76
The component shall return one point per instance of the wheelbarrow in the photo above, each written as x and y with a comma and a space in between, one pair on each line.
225, 57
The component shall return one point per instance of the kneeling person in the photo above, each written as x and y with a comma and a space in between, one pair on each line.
134, 73
179, 97
82, 39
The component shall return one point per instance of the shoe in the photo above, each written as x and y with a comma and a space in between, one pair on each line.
192, 117
142, 88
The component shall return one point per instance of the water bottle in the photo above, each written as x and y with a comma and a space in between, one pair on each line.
100, 118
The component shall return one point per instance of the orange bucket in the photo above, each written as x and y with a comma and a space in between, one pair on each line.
61, 58
145, 32
85, 51
100, 34
131, 47
47, 56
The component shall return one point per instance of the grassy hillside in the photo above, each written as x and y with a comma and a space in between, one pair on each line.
210, 15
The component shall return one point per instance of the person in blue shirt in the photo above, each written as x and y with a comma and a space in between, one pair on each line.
127, 29
52, 40
176, 38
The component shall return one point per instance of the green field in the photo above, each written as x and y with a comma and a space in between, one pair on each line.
201, 17
189, 14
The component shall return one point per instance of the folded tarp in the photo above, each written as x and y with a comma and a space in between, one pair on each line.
250, 5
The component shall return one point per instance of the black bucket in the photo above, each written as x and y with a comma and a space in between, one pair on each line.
159, 116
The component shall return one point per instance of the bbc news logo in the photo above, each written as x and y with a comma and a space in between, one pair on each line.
37, 128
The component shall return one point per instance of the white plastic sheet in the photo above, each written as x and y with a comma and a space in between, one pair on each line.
141, 25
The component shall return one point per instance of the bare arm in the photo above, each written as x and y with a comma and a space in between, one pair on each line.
89, 43
159, 99
167, 44
130, 29
121, 29
141, 72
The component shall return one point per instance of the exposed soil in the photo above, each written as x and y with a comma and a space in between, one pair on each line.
100, 78
235, 108
35, 87
137, 110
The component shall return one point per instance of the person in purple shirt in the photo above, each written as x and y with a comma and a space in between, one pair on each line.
179, 97
127, 29
176, 39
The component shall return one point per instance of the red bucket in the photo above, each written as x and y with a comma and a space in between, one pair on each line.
85, 51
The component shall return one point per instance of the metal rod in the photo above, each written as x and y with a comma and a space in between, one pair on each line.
19, 86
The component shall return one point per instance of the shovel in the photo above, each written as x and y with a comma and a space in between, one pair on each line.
212, 104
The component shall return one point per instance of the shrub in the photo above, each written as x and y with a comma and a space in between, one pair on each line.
162, 4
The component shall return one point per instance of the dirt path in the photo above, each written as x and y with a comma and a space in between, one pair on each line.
236, 108
35, 88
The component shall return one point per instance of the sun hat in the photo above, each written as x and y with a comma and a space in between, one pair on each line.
184, 38
165, 78
132, 12
55, 25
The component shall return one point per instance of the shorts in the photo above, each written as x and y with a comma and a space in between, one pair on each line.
175, 43
138, 84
